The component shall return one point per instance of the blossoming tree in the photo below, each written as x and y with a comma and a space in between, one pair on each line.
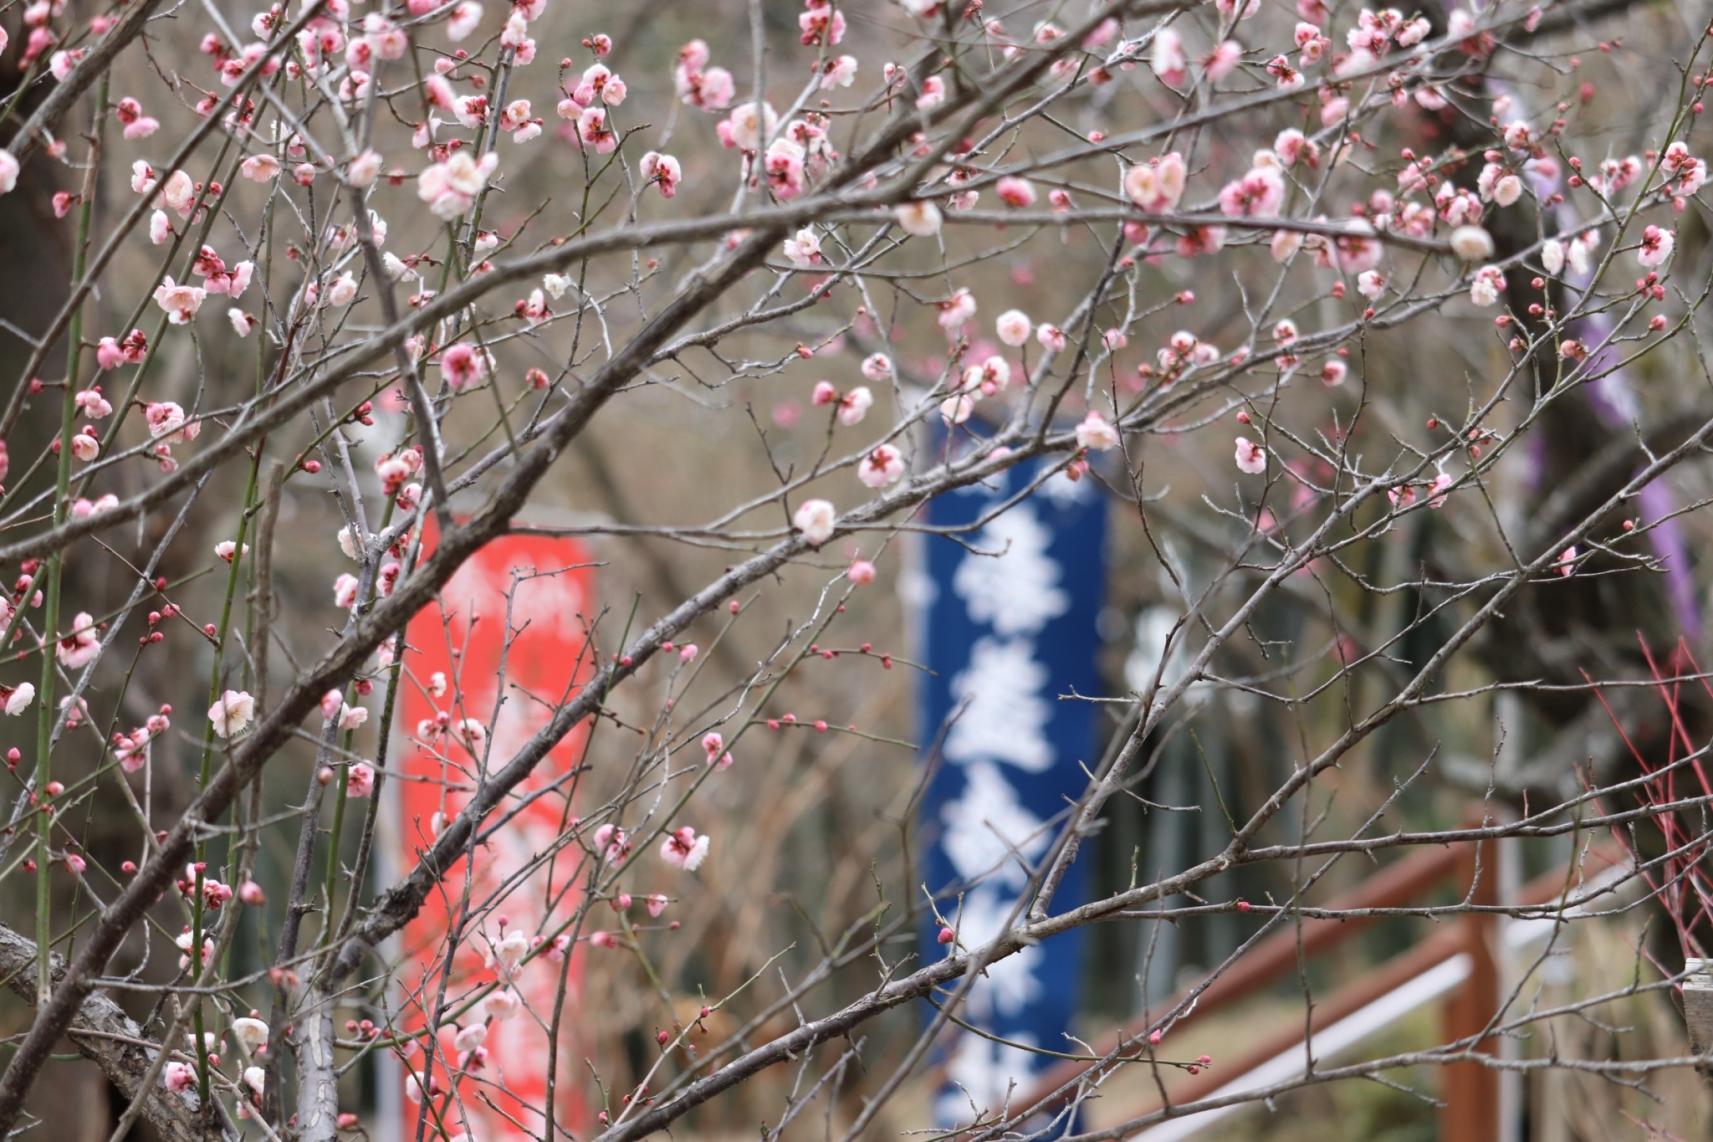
1386, 321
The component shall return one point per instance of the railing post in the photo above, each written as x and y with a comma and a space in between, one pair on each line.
1698, 1009
1471, 1093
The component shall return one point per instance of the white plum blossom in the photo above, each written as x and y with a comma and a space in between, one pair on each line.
1472, 243
232, 713
920, 219
1096, 433
814, 519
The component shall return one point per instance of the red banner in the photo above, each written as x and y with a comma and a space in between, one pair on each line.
485, 667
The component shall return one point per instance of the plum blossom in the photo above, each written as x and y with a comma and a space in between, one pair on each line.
1258, 194
839, 72
450, 188
16, 699
1552, 255
714, 745
260, 168
1471, 243
854, 406
1013, 327
1168, 60
1485, 286
877, 367
1251, 457
181, 302
78, 648
919, 219
1655, 248
683, 848
501, 1005
1157, 185
803, 248
232, 714
179, 1078
956, 310
463, 365
166, 421
251, 1032
360, 779
662, 170
1014, 191
957, 408
1096, 433
882, 466
612, 843
814, 519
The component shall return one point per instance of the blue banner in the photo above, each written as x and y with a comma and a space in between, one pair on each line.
1006, 616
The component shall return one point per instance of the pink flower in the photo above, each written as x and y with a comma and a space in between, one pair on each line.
683, 849
179, 193
1222, 60
451, 188
8, 172
882, 466
1157, 185
463, 21
79, 648
166, 420
1656, 247
814, 518
1167, 58
462, 365
1566, 561
1018, 192
854, 405
784, 168
1251, 457
178, 1077
345, 591
1485, 286
343, 291
1095, 433
611, 843
593, 131
956, 310
16, 699
714, 745
861, 572
1258, 194
957, 408
839, 72
360, 779
501, 1005
663, 171
877, 367
180, 302
803, 248
1013, 327
260, 168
